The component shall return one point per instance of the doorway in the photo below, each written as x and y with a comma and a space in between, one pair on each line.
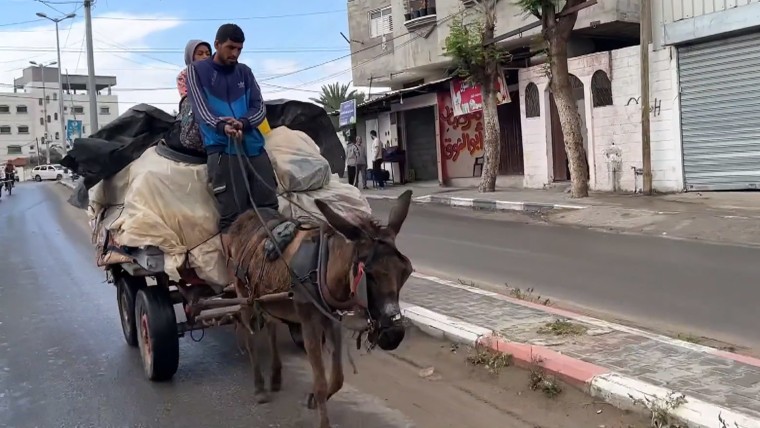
510, 135
560, 165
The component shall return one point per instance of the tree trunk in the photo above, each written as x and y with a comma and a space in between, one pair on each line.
568, 116
491, 142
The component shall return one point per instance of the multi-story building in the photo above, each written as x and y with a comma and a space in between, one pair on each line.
400, 44
29, 116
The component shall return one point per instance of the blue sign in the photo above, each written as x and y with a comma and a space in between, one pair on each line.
347, 113
73, 130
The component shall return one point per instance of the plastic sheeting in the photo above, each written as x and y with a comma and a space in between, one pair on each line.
125, 139
166, 204
341, 197
297, 163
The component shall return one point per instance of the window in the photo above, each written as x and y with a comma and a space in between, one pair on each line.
5, 129
48, 118
84, 132
55, 116
105, 110
42, 121
21, 110
5, 109
601, 89
55, 96
77, 110
14, 150
532, 103
65, 108
380, 22
23, 129
47, 99
57, 135
39, 100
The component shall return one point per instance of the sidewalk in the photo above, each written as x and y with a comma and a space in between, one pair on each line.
722, 217
618, 364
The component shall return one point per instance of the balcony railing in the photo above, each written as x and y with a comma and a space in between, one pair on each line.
420, 13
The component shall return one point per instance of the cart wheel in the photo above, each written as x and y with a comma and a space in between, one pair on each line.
157, 333
126, 291
297, 335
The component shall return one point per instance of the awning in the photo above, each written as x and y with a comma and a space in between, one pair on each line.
383, 101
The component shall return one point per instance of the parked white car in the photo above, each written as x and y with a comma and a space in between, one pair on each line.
48, 172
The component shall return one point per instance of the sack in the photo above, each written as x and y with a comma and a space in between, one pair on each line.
343, 198
190, 133
296, 160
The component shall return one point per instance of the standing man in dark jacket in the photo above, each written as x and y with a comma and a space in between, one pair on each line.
228, 106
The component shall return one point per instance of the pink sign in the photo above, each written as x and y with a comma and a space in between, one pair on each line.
466, 97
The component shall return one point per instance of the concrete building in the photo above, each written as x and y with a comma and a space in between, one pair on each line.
400, 44
26, 114
716, 48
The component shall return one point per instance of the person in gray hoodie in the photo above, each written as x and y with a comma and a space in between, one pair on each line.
195, 50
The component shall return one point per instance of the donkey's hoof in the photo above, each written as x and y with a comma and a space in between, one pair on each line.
311, 401
262, 397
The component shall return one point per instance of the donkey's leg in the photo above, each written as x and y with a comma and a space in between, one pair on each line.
260, 391
312, 335
276, 376
335, 337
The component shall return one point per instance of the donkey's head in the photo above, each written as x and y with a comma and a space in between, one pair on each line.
377, 265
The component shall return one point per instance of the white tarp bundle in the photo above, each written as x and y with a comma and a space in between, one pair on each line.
159, 202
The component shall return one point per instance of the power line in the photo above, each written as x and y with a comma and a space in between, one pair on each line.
10, 24
245, 18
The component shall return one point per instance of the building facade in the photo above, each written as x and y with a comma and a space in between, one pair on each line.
716, 46
29, 116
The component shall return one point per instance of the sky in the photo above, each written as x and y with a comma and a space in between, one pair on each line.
141, 42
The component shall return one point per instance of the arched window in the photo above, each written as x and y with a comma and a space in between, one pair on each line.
55, 116
532, 103
601, 89
57, 135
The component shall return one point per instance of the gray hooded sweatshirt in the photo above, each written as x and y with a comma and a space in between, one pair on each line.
182, 76
190, 49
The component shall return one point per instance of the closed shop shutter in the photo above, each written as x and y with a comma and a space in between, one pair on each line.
422, 156
720, 113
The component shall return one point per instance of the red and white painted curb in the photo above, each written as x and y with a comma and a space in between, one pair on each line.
620, 391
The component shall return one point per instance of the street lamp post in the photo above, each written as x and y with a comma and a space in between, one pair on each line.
60, 76
44, 106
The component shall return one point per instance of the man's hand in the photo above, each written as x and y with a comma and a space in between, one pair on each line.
230, 131
234, 122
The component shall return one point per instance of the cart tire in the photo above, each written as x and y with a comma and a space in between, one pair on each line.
297, 335
126, 292
157, 333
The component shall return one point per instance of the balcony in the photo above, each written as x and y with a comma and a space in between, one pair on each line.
420, 13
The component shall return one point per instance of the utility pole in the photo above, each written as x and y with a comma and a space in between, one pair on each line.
645, 27
45, 139
60, 77
91, 88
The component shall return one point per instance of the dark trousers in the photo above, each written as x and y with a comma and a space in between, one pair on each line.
228, 181
352, 175
377, 172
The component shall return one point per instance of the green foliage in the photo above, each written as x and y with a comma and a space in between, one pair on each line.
465, 46
335, 93
534, 7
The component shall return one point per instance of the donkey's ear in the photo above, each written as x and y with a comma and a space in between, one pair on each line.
399, 212
339, 222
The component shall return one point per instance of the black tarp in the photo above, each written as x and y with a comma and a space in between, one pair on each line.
117, 144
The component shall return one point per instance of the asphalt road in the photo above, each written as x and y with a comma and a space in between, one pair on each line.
662, 284
64, 363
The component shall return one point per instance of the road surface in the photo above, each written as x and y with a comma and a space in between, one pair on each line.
63, 361
676, 286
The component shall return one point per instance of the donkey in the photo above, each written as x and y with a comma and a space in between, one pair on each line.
360, 271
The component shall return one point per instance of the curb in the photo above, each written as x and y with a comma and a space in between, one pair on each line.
621, 391
482, 204
70, 185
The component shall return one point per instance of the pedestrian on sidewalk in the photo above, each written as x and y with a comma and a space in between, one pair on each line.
377, 160
361, 163
352, 155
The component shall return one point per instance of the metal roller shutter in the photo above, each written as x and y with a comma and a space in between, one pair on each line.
720, 113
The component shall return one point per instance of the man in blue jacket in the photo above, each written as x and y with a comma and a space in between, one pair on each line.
228, 107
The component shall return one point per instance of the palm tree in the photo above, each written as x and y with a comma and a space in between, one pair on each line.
335, 93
